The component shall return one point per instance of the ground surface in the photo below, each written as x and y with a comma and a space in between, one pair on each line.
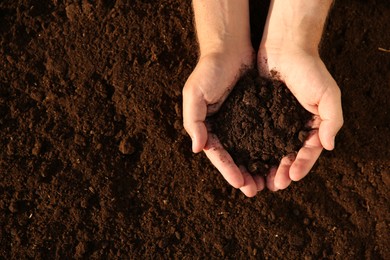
94, 161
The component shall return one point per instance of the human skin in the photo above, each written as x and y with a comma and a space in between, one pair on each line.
289, 47
289, 51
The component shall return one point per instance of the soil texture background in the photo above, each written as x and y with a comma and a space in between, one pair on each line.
94, 161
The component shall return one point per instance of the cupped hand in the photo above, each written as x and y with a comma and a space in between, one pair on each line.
203, 94
308, 79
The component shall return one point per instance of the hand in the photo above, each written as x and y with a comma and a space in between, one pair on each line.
289, 51
204, 92
310, 82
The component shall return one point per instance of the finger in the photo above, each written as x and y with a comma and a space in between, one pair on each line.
282, 176
331, 114
249, 188
221, 159
260, 183
194, 115
271, 180
306, 157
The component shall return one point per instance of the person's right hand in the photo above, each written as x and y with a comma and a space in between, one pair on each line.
204, 92
314, 87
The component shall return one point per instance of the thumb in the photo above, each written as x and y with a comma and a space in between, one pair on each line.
331, 114
194, 115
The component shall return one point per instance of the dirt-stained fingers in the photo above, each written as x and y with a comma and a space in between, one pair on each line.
222, 160
270, 179
251, 184
294, 167
194, 115
260, 182
306, 157
331, 113
282, 177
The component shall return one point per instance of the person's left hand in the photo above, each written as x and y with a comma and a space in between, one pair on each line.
311, 83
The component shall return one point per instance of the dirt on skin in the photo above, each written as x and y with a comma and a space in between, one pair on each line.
95, 163
260, 122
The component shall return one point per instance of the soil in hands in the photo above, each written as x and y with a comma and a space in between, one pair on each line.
260, 122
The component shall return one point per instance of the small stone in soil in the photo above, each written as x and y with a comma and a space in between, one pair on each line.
126, 147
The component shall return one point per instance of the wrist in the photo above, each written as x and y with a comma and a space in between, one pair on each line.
223, 27
228, 52
295, 25
228, 58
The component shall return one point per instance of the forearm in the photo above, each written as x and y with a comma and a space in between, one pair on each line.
222, 25
297, 23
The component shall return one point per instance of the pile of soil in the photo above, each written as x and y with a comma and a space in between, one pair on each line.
95, 163
260, 122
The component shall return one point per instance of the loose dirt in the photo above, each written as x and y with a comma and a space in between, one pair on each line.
260, 122
94, 161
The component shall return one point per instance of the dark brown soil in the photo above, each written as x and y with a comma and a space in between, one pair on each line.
94, 161
260, 122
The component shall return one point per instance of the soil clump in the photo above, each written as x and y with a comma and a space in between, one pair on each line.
260, 122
